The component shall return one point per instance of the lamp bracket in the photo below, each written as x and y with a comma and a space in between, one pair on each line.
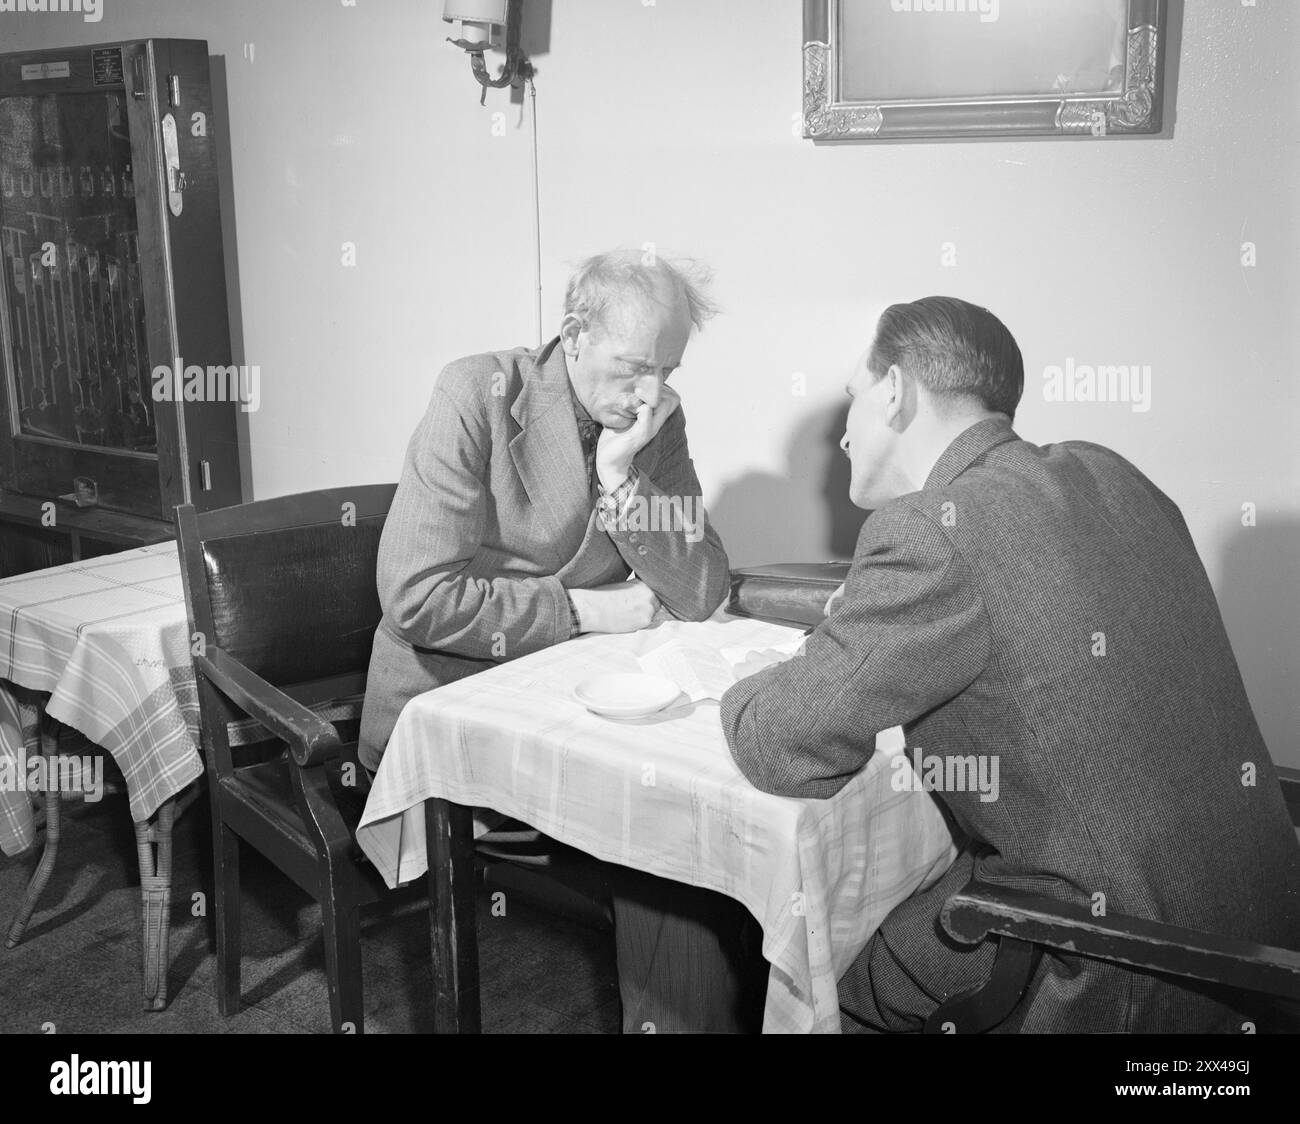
517, 69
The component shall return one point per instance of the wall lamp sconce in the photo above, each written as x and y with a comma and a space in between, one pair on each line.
478, 21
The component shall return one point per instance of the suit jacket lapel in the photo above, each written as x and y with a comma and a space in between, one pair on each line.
547, 452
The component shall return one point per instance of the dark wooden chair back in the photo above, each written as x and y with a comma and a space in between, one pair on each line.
287, 586
282, 600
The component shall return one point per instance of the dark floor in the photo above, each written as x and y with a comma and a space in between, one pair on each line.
78, 967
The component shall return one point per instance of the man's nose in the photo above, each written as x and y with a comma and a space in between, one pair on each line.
844, 443
648, 387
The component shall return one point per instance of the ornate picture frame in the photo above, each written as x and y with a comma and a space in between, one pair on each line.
845, 98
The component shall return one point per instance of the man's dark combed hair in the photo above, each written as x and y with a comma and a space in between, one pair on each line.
954, 348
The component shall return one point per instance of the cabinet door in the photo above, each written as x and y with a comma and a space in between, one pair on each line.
205, 427
112, 274
74, 281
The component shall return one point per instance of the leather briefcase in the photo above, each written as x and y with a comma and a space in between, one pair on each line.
786, 593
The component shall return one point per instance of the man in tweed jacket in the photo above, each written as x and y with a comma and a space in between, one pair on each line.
505, 535
1043, 609
535, 483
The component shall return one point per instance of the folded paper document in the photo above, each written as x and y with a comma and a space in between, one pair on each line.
703, 672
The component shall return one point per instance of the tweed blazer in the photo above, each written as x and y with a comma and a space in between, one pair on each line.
494, 519
1044, 608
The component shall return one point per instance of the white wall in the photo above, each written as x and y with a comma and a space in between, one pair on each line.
672, 123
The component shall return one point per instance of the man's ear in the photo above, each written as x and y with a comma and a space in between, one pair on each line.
571, 327
897, 390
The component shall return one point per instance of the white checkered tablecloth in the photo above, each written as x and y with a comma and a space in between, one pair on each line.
663, 795
106, 639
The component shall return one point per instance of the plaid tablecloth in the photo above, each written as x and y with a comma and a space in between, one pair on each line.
663, 795
107, 640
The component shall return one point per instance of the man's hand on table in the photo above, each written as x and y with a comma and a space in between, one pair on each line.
768, 657
620, 607
616, 447
662, 616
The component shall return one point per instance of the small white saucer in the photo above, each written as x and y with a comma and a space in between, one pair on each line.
631, 695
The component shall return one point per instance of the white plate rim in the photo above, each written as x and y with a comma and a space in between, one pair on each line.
638, 711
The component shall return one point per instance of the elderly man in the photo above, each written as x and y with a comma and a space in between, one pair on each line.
509, 533
1042, 610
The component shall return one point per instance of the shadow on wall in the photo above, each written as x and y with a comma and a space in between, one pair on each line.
1265, 635
534, 40
803, 516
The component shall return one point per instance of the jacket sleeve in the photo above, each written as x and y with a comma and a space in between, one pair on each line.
665, 536
434, 529
909, 634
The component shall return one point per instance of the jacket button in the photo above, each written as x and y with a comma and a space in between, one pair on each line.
640, 550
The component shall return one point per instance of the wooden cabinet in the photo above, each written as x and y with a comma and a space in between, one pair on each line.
28, 543
114, 335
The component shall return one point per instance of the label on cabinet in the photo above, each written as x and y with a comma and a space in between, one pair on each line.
46, 70
106, 66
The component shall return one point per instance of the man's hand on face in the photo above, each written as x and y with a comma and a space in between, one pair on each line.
616, 448
620, 607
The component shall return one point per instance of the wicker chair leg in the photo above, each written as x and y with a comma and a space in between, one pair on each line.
155, 899
155, 895
53, 831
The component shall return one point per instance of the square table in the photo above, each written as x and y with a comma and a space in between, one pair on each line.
662, 794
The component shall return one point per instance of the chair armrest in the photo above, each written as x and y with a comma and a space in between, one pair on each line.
312, 740
980, 909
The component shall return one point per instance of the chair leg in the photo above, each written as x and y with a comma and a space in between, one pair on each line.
155, 900
53, 832
453, 935
225, 857
41, 876
342, 932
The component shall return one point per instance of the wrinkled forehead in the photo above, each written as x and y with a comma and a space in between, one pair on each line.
656, 326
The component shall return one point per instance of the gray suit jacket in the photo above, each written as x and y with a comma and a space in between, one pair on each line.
1045, 606
494, 519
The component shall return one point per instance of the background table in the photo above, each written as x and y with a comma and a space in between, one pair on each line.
105, 643
106, 640
663, 795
